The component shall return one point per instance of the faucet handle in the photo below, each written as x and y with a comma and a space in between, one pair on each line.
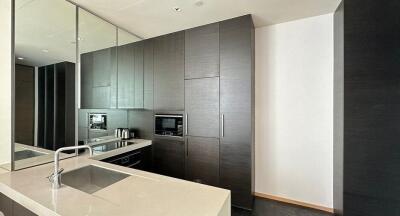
53, 175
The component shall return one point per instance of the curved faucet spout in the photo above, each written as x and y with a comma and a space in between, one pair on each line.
55, 178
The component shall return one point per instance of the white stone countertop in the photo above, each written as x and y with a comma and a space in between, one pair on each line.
142, 193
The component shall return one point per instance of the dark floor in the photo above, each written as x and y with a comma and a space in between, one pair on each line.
264, 207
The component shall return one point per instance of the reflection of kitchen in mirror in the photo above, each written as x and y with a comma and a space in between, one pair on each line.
45, 57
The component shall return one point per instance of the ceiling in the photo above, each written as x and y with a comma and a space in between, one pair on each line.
150, 18
44, 36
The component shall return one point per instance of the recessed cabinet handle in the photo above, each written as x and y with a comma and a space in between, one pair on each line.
222, 125
186, 124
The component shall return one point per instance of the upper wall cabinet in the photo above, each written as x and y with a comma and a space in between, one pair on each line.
99, 79
169, 72
130, 75
202, 51
148, 78
97, 45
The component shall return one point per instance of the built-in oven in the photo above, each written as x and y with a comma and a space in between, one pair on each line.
168, 125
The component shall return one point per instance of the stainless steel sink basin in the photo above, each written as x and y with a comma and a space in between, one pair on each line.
24, 154
91, 178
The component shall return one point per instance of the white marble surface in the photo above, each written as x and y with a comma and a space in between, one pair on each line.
142, 193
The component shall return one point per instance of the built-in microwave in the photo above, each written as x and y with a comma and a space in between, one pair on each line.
168, 125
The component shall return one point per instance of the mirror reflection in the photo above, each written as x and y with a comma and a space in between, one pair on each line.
58, 71
45, 52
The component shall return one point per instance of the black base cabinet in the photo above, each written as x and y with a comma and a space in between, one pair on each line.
138, 159
169, 157
11, 208
202, 160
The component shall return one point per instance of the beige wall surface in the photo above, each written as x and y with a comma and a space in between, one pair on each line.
5, 81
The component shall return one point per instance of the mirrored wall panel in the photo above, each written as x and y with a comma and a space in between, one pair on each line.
45, 56
66, 60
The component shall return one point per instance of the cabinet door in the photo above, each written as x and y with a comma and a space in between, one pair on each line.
169, 157
130, 75
202, 107
202, 51
236, 103
126, 76
148, 74
138, 53
202, 160
19, 210
9, 207
169, 72
6, 205
86, 80
99, 79
103, 67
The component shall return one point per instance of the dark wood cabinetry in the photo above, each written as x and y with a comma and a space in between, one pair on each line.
236, 107
169, 157
148, 74
202, 107
130, 75
208, 72
99, 79
202, 51
366, 108
56, 106
202, 160
169, 72
11, 208
24, 104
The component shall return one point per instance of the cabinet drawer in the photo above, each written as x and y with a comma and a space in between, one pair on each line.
137, 159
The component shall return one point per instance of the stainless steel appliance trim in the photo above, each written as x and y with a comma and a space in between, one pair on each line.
186, 124
222, 125
172, 116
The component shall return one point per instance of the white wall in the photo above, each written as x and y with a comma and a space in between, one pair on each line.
294, 110
5, 81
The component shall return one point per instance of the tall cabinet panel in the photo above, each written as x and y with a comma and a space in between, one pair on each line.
236, 104
169, 72
24, 104
56, 117
367, 100
99, 79
202, 51
202, 107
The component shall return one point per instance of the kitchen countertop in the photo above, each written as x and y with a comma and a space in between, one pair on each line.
47, 157
142, 193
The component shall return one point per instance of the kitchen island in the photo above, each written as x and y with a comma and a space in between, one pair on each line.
141, 193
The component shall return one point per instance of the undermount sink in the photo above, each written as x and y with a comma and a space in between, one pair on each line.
91, 178
24, 154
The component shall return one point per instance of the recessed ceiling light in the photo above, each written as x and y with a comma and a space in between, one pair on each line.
177, 9
45, 50
199, 3
20, 58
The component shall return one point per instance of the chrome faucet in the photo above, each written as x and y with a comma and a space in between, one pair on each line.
55, 177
